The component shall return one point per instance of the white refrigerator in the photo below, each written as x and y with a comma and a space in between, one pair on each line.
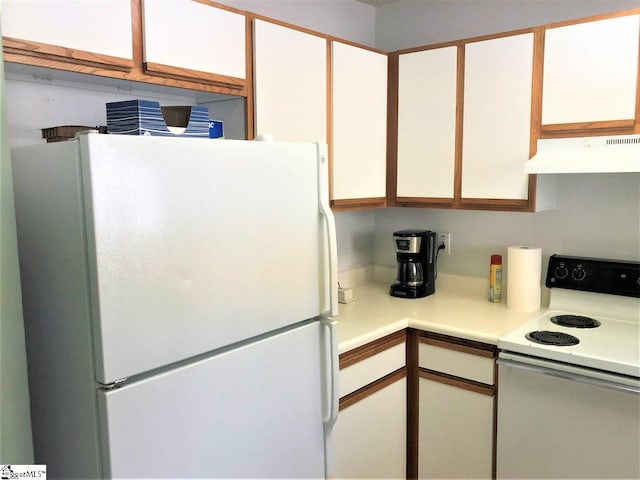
179, 297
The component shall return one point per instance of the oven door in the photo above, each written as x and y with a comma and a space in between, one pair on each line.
560, 421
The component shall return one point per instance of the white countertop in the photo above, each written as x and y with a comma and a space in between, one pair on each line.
459, 307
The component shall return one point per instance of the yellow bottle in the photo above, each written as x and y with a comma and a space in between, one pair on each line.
495, 279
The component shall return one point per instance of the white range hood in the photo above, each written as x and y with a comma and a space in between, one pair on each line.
608, 154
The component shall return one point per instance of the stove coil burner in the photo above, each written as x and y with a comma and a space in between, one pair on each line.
547, 337
575, 321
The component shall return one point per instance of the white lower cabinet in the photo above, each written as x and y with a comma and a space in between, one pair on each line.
456, 390
370, 435
438, 422
456, 432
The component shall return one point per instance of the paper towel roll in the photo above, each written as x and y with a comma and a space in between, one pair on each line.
524, 268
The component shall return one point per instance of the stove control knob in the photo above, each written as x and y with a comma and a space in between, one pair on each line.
578, 273
561, 271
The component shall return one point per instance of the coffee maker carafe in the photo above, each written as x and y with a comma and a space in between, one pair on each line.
416, 270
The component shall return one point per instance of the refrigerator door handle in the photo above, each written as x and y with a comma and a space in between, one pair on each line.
332, 371
327, 215
331, 403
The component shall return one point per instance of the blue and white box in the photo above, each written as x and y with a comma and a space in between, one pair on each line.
144, 117
216, 129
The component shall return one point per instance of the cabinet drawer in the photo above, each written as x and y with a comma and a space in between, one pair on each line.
460, 361
372, 368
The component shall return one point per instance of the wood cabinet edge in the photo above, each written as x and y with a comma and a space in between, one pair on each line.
232, 84
41, 52
459, 345
358, 204
371, 388
458, 382
370, 349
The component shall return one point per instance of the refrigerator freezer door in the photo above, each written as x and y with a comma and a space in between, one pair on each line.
250, 412
197, 244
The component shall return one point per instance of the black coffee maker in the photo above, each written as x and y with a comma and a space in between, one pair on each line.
416, 256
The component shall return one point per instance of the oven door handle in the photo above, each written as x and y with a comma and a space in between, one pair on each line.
621, 387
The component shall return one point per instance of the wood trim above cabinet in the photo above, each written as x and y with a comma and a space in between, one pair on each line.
331, 38
370, 349
256, 16
221, 6
231, 85
372, 388
358, 204
418, 202
136, 75
619, 127
462, 41
499, 204
41, 53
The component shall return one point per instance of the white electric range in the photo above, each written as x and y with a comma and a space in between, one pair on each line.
572, 377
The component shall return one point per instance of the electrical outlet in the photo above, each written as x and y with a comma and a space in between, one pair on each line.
445, 239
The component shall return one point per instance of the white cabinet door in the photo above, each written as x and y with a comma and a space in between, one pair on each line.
370, 435
101, 27
497, 117
359, 122
591, 71
290, 83
195, 36
455, 433
427, 123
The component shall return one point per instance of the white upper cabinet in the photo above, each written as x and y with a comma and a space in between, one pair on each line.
591, 71
290, 83
100, 27
427, 123
497, 117
191, 35
359, 122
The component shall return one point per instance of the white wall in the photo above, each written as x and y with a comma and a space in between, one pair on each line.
355, 232
412, 23
597, 215
346, 19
